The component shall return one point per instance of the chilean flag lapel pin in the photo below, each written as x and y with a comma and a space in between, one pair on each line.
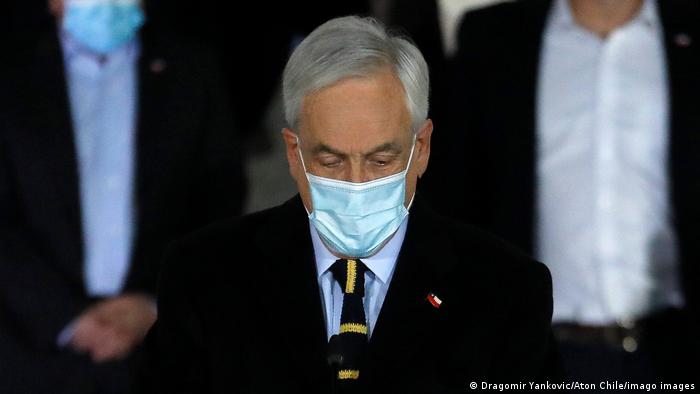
683, 40
434, 300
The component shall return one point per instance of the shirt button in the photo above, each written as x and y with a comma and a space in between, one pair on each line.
605, 202
111, 183
629, 344
626, 323
607, 154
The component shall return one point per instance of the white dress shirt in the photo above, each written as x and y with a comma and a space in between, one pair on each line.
103, 100
604, 226
377, 279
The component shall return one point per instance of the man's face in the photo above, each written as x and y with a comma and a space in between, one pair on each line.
357, 130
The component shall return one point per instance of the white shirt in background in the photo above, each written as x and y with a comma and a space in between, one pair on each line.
604, 222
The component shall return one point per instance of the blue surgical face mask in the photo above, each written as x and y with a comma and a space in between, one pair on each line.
356, 219
102, 25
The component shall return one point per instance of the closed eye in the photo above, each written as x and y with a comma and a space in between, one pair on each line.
382, 160
331, 162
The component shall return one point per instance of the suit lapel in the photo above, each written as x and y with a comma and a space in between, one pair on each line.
516, 218
296, 300
682, 40
50, 132
406, 313
152, 74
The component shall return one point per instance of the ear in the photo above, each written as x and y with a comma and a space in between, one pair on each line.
422, 152
292, 149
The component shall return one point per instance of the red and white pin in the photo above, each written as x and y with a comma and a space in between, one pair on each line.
683, 40
434, 300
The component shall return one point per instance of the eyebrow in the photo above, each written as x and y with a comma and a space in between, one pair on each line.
323, 148
389, 147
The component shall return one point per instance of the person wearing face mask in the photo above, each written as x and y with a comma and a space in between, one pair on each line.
115, 139
355, 284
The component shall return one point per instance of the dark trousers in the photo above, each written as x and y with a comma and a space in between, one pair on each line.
668, 352
27, 371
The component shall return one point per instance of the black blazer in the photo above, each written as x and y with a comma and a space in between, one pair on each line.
493, 130
240, 312
188, 173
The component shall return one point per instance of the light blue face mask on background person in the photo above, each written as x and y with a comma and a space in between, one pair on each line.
102, 25
355, 219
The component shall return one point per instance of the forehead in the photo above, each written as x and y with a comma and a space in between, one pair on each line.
357, 113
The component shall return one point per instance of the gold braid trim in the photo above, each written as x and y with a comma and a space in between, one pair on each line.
353, 327
352, 274
348, 374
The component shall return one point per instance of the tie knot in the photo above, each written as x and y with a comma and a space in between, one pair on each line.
350, 274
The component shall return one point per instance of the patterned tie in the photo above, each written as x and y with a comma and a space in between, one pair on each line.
351, 341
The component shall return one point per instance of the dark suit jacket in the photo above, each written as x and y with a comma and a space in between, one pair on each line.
240, 312
188, 173
493, 127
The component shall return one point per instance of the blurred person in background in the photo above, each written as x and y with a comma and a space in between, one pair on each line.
575, 128
114, 139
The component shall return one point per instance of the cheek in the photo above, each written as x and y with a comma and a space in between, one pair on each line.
296, 168
410, 190
411, 181
304, 192
415, 170
298, 173
299, 176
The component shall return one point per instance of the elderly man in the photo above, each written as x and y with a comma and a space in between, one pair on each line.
340, 288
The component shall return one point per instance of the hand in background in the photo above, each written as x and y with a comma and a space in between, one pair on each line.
110, 329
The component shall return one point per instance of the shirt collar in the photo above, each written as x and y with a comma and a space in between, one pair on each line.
649, 14
75, 52
381, 264
561, 15
563, 18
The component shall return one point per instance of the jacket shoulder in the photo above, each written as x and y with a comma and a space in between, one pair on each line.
229, 232
507, 280
222, 246
500, 20
501, 10
489, 255
189, 54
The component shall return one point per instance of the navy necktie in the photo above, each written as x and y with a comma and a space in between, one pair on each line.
350, 344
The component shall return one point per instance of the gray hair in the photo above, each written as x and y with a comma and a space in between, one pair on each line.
348, 47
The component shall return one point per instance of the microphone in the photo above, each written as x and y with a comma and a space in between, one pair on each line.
334, 359
335, 354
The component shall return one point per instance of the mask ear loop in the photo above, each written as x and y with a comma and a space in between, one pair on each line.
306, 174
410, 158
301, 157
